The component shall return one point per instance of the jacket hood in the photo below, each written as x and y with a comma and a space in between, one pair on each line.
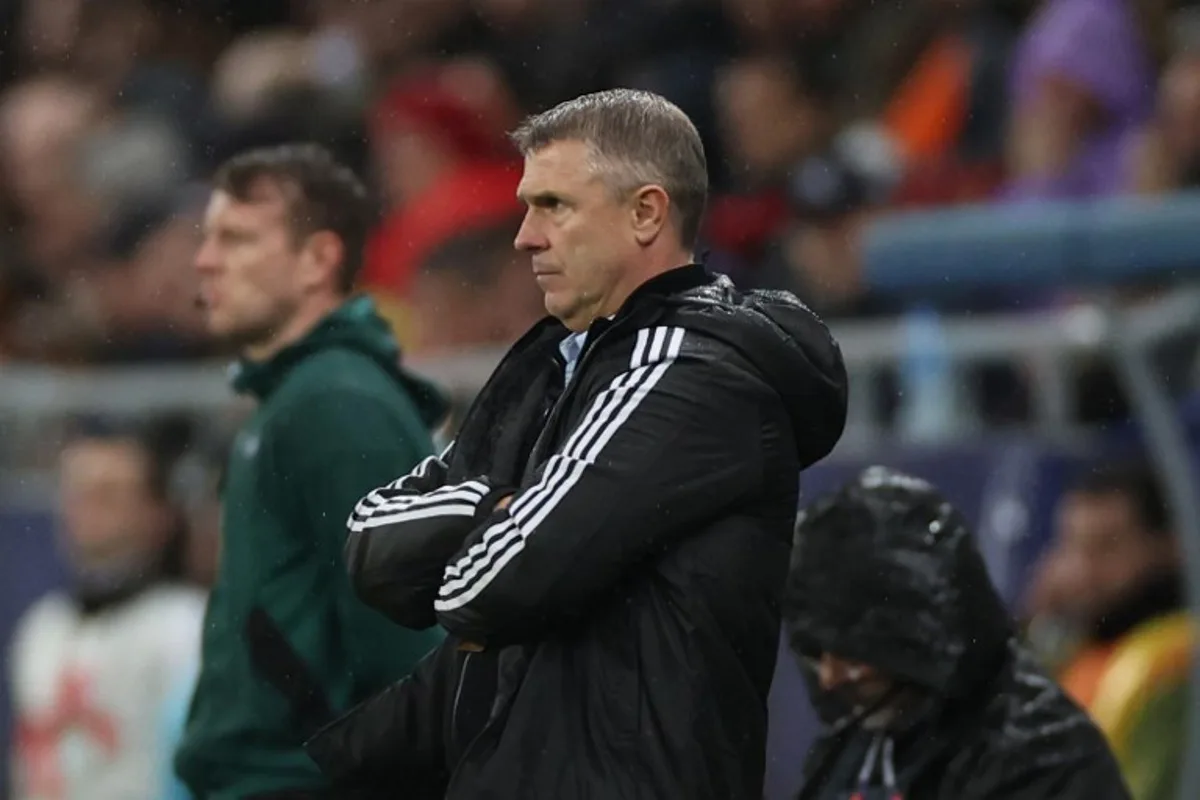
886, 572
357, 326
789, 345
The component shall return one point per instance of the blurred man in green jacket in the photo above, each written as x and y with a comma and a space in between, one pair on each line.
286, 643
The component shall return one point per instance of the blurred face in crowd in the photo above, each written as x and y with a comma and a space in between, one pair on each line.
410, 161
41, 121
109, 512
1179, 110
1102, 552
766, 121
489, 302
826, 254
255, 272
583, 236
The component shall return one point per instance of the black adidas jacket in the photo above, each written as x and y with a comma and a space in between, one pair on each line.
614, 629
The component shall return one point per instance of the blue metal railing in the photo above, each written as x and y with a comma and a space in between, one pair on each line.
940, 253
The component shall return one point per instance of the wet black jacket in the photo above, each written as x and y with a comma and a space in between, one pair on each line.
623, 611
886, 573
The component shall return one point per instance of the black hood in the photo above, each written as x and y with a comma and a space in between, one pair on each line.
886, 572
789, 345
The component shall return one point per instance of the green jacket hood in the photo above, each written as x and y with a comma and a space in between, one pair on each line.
357, 326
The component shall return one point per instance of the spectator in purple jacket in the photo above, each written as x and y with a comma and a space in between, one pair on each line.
1083, 82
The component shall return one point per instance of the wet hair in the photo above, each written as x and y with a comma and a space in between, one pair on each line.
636, 138
322, 195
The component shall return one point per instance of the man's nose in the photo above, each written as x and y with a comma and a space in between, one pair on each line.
833, 672
206, 259
529, 240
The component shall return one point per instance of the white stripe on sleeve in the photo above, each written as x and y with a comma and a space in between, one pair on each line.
655, 351
459, 500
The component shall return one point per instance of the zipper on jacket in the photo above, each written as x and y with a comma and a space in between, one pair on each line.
568, 393
462, 679
501, 706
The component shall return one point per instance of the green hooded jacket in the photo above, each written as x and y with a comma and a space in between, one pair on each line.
337, 417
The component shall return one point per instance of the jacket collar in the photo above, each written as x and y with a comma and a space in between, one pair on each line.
355, 322
675, 281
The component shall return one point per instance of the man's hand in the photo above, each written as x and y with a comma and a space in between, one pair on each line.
504, 501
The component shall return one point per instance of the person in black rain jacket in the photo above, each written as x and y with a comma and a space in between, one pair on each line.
914, 663
607, 539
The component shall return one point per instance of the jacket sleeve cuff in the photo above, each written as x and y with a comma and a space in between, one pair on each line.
487, 504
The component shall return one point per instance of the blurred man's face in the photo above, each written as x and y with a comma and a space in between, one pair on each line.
1103, 552
1179, 108
41, 121
766, 123
249, 266
494, 306
410, 162
579, 233
826, 256
108, 511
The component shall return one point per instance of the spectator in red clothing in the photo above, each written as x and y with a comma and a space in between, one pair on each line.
446, 167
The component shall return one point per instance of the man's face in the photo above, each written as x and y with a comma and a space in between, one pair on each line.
41, 123
827, 258
1179, 109
491, 302
858, 686
579, 233
108, 511
1103, 552
766, 123
248, 265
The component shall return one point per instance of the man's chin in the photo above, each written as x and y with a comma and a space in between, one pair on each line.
228, 336
566, 314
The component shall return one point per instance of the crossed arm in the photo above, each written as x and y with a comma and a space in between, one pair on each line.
665, 445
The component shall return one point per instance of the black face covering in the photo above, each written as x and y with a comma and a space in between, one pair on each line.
831, 707
841, 708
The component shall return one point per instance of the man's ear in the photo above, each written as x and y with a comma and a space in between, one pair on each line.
651, 207
321, 259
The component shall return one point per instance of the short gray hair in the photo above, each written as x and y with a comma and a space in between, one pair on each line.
637, 138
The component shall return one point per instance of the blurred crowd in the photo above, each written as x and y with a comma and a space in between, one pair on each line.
816, 114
